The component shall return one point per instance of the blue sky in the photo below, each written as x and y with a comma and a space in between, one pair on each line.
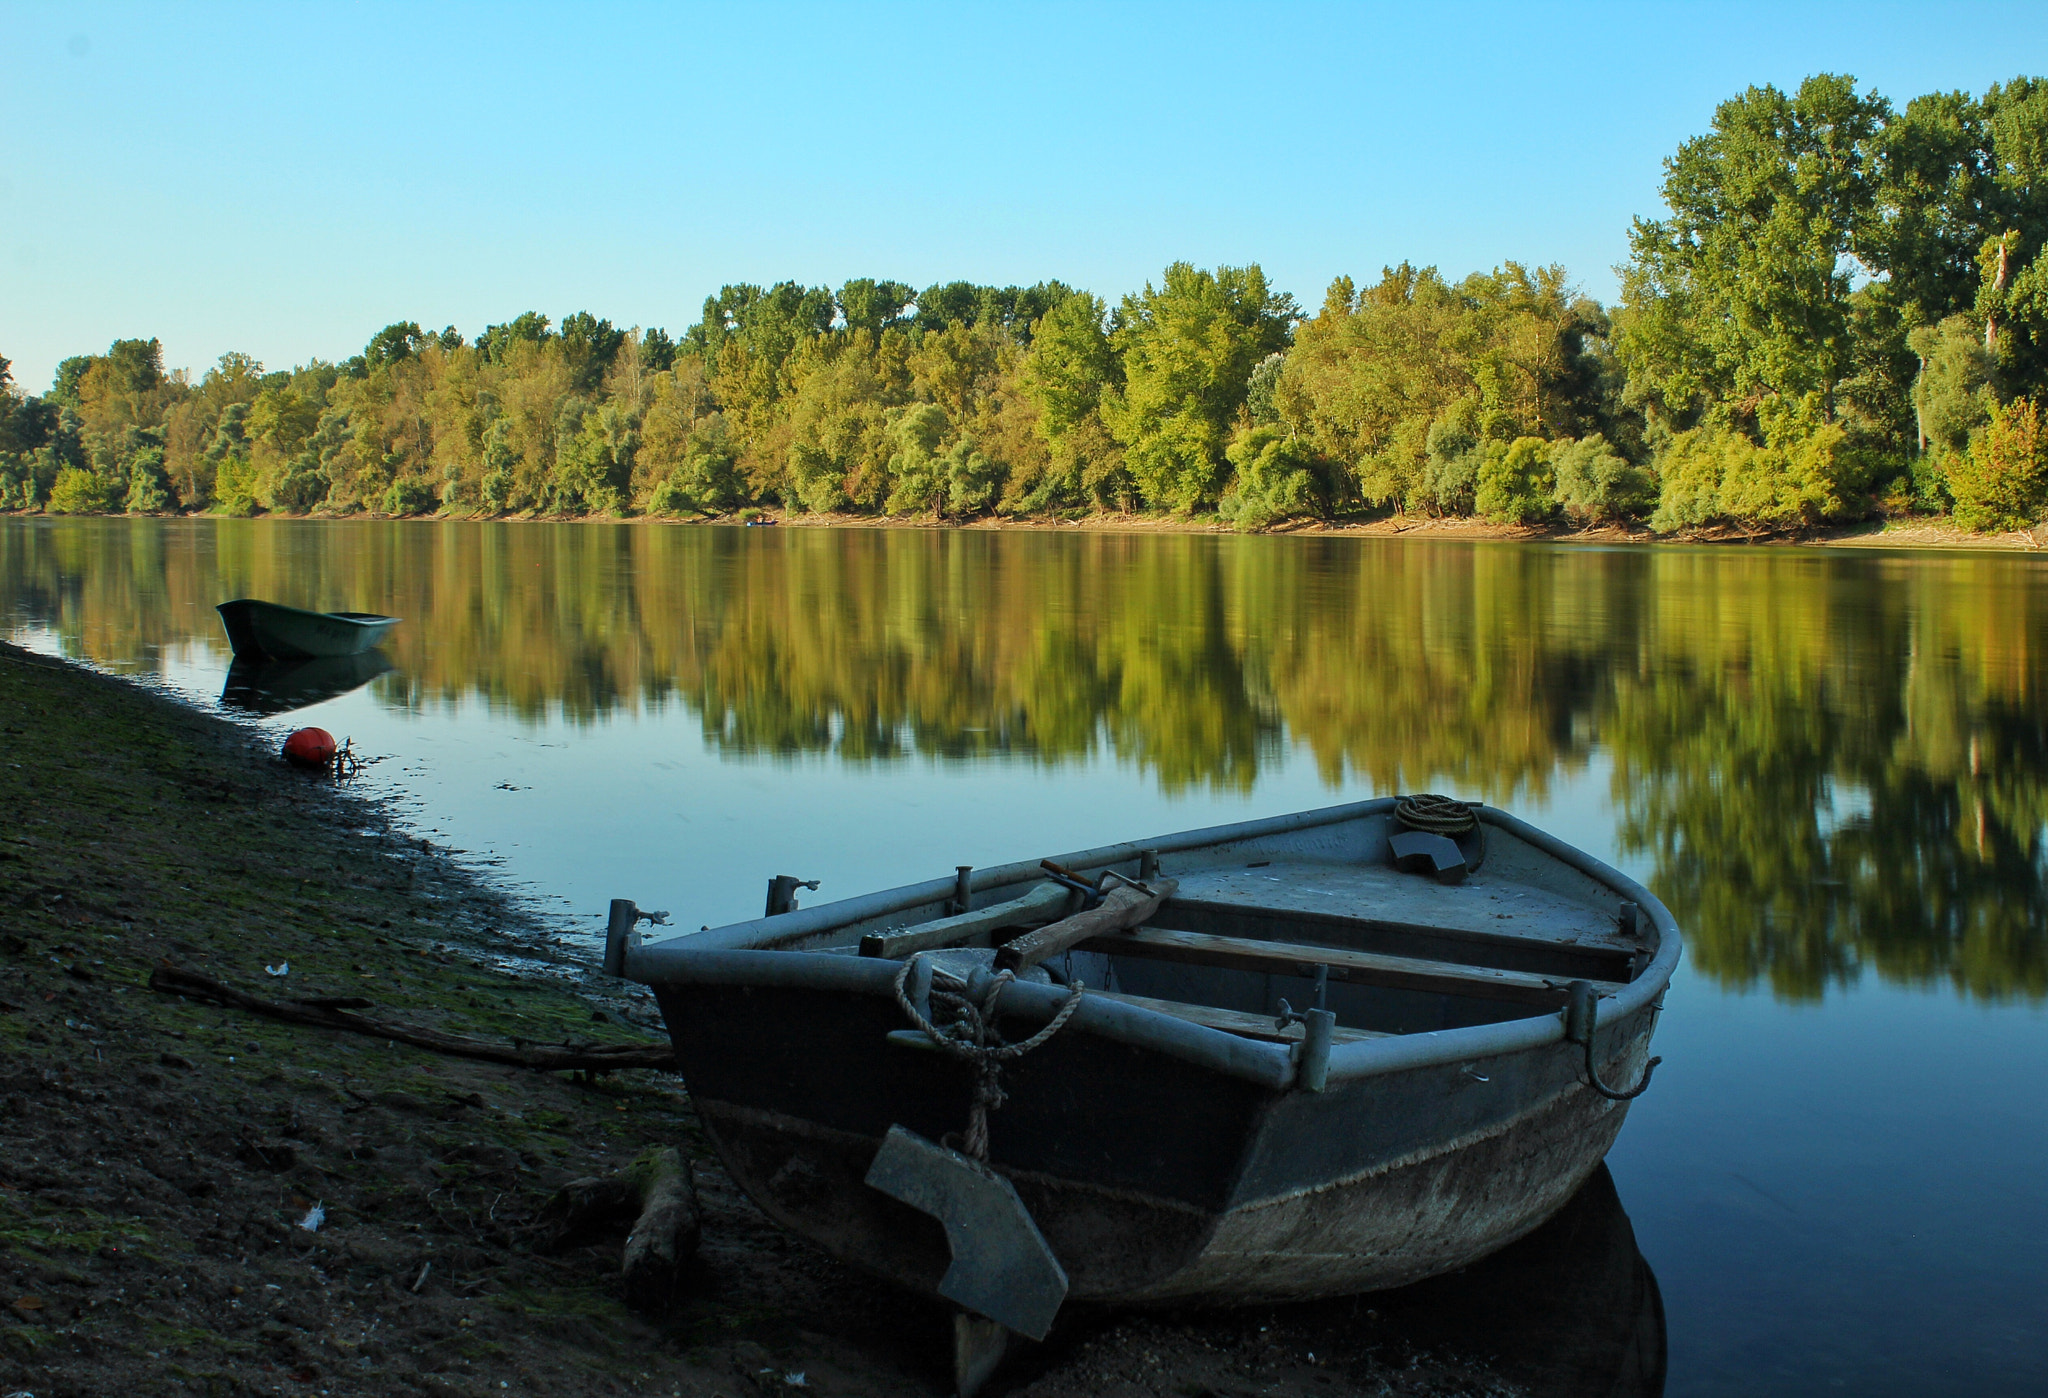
286, 179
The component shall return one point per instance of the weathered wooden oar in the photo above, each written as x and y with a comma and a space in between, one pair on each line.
1041, 902
1121, 908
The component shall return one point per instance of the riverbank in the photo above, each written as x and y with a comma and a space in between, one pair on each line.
1912, 532
159, 1158
1918, 533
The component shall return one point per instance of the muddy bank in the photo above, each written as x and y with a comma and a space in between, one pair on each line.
159, 1157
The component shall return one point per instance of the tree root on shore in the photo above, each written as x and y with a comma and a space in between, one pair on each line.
334, 1013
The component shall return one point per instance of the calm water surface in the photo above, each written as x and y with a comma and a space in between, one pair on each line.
1833, 766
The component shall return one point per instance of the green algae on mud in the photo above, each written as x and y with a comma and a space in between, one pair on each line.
157, 1155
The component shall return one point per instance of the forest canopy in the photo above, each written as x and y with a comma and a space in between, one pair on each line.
1841, 311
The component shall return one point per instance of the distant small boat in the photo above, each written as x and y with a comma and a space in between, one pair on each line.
267, 631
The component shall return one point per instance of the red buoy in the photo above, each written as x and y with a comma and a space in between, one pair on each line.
309, 747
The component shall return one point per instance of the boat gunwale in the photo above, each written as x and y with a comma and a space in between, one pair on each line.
763, 951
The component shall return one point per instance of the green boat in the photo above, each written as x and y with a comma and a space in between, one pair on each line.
267, 631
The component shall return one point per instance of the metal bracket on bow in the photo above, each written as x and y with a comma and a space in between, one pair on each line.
1581, 1018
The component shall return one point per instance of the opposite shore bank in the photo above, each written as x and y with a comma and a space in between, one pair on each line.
1910, 533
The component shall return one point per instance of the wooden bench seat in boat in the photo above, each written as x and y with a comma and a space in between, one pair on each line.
1485, 921
1370, 968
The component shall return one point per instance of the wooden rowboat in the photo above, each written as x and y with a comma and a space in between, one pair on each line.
266, 631
1329, 1052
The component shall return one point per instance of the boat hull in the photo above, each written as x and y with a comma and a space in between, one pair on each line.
266, 631
1152, 1183
1164, 1154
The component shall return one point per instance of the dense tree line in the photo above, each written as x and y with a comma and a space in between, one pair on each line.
1843, 311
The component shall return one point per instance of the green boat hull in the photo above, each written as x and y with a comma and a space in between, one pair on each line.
267, 631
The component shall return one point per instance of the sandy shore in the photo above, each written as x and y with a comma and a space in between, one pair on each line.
1913, 533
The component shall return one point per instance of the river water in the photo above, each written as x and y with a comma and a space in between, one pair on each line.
1832, 765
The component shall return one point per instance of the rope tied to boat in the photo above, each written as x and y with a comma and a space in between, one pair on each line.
970, 1035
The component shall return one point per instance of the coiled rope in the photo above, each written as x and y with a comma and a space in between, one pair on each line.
1442, 815
970, 1034
1439, 815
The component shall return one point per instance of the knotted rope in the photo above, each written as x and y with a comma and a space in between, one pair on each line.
970, 1035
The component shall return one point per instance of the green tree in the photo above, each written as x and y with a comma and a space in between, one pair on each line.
591, 346
1400, 383
1744, 291
1188, 348
837, 428
874, 306
1278, 477
916, 468
1595, 483
80, 492
1516, 485
2001, 482
399, 340
1953, 393
497, 341
1070, 366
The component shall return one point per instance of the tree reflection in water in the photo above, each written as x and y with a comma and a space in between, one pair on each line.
1834, 761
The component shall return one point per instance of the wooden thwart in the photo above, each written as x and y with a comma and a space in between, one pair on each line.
1369, 968
1042, 902
1250, 1026
1533, 945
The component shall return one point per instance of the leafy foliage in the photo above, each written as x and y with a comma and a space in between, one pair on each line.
2001, 482
1595, 483
1188, 348
1278, 477
1515, 482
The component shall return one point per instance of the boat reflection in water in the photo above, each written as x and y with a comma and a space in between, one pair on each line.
1572, 1309
280, 686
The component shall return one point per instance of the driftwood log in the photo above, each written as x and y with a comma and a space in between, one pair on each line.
658, 1194
335, 1012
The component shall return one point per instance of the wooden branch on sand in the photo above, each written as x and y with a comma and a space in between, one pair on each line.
657, 1193
334, 1013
